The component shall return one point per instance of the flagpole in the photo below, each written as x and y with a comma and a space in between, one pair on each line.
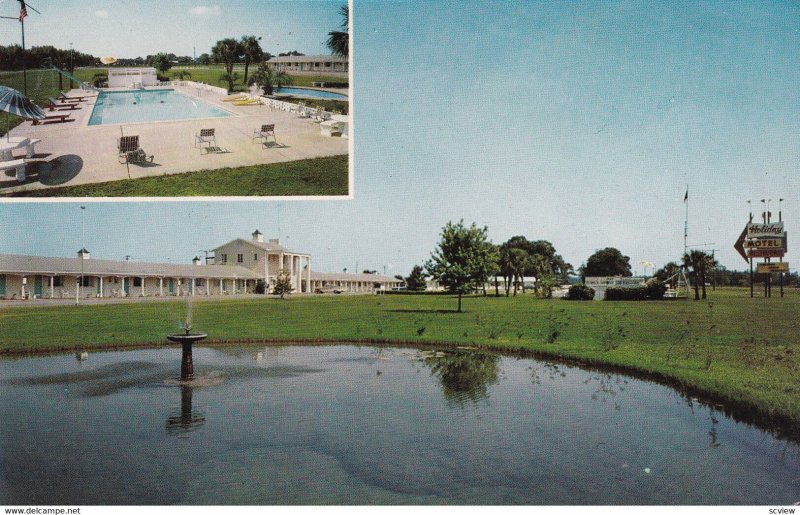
24, 71
686, 222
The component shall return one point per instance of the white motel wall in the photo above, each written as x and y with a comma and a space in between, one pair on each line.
236, 268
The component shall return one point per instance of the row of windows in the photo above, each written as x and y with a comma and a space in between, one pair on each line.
239, 258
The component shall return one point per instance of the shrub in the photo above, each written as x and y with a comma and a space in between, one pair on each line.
261, 287
653, 290
580, 292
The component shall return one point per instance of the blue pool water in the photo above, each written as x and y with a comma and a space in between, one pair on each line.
302, 92
150, 106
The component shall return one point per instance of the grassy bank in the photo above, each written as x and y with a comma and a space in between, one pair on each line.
321, 176
743, 351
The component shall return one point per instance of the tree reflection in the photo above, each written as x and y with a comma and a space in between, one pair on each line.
464, 376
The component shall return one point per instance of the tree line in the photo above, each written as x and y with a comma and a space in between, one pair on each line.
465, 261
11, 58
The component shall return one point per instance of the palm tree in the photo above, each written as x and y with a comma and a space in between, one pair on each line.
227, 51
231, 79
700, 263
252, 52
708, 265
267, 79
339, 41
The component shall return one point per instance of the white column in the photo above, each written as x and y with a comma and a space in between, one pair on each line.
208, 287
194, 286
52, 286
161, 286
143, 286
308, 263
101, 287
220, 286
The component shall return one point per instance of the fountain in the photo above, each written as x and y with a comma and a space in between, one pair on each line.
187, 339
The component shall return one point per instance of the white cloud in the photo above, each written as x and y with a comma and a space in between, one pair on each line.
202, 10
102, 13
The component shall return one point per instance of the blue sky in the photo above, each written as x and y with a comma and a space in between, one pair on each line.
578, 123
131, 28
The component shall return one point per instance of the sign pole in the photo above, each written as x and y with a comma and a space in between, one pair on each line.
751, 277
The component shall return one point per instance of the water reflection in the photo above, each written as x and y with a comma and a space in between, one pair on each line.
186, 420
463, 376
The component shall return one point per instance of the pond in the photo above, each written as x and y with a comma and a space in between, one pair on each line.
365, 425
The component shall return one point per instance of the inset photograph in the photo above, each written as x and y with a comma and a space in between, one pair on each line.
238, 99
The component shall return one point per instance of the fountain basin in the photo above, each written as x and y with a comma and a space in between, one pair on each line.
186, 338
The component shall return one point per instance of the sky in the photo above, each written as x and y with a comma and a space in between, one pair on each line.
579, 123
137, 28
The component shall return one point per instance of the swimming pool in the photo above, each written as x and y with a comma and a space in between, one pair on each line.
150, 106
315, 93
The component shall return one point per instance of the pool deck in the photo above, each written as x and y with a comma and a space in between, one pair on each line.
74, 153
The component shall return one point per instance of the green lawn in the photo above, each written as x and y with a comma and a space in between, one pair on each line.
741, 351
320, 176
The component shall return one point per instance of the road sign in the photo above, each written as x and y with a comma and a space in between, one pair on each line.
765, 243
765, 268
766, 253
773, 229
739, 245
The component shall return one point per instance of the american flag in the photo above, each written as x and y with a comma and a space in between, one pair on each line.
23, 11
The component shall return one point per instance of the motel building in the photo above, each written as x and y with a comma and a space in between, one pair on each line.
236, 268
310, 64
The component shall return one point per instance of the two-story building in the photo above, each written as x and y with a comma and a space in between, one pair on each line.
236, 269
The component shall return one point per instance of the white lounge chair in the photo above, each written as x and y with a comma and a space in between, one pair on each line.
264, 133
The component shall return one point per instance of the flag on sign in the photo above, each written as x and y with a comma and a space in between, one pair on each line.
23, 11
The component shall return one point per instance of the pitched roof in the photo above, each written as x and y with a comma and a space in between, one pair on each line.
270, 246
308, 59
338, 276
17, 264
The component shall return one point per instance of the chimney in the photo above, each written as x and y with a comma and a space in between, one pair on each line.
257, 236
83, 254
196, 261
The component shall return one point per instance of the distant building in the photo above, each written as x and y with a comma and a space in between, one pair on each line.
311, 64
601, 284
236, 269
131, 77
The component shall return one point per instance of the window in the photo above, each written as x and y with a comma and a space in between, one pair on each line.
255, 257
87, 281
58, 281
224, 258
137, 282
240, 258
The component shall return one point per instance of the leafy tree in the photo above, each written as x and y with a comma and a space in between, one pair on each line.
283, 284
464, 259
416, 279
339, 41
607, 262
231, 79
252, 52
204, 59
161, 62
227, 51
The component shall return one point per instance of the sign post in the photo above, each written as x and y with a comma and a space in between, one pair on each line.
764, 240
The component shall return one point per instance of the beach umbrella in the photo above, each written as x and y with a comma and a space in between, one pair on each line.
109, 59
14, 102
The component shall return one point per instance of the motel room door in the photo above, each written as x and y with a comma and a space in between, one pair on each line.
126, 285
171, 287
37, 286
